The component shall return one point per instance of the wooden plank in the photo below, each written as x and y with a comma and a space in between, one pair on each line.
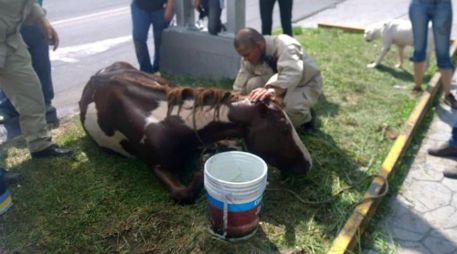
349, 29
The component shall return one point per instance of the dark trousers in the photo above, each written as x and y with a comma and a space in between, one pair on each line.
213, 9
266, 15
39, 51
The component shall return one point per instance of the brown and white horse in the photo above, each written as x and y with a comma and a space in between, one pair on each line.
141, 116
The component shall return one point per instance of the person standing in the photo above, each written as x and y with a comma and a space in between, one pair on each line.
439, 12
38, 48
212, 9
277, 66
18, 79
145, 13
285, 11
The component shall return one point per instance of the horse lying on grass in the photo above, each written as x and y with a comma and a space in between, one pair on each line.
142, 116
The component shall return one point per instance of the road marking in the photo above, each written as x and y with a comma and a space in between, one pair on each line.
92, 16
72, 54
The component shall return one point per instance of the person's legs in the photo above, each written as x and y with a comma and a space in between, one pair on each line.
285, 10
419, 20
141, 22
159, 24
442, 23
39, 51
21, 84
214, 17
266, 15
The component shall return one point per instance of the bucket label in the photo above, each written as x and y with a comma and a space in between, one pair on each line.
235, 207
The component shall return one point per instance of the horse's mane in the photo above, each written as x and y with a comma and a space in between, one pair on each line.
212, 97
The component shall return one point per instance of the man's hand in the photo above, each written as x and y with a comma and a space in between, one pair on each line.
50, 32
261, 93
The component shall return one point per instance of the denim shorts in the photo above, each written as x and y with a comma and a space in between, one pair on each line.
439, 12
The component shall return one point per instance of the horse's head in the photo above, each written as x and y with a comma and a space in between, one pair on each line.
271, 135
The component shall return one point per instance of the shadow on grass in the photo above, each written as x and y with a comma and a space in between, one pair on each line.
397, 73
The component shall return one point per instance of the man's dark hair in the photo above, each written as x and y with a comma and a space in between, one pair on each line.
248, 37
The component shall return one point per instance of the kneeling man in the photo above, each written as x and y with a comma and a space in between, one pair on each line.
278, 66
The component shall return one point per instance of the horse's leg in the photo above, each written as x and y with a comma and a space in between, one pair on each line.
179, 192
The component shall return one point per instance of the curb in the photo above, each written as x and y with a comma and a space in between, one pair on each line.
362, 214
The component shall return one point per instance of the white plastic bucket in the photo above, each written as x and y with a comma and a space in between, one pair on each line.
235, 182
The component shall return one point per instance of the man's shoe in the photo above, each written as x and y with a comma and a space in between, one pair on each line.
445, 150
9, 177
450, 100
450, 173
307, 128
310, 126
51, 151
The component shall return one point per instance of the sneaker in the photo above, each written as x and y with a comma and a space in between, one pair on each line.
450, 100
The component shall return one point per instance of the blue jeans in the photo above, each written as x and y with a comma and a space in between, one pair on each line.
141, 21
439, 12
39, 51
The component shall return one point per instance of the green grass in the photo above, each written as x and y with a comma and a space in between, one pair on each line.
97, 203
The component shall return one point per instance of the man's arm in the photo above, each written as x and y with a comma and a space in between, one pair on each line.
169, 10
50, 32
242, 78
290, 68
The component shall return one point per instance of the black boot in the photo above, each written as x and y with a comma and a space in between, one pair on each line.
310, 126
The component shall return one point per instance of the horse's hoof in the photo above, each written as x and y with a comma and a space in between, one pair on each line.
183, 197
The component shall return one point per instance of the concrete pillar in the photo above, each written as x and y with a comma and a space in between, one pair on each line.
236, 15
188, 51
185, 14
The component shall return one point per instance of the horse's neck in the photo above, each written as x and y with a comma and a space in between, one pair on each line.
228, 121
